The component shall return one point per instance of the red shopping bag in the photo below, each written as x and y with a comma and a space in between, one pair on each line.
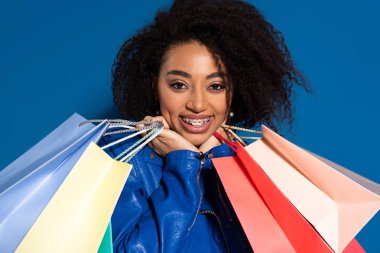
262, 230
270, 221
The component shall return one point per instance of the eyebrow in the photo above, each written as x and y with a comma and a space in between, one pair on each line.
187, 75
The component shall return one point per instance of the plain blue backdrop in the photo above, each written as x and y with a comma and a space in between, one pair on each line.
55, 59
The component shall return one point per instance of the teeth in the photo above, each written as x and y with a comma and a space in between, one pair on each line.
196, 122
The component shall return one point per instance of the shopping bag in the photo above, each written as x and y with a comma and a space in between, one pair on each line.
28, 184
77, 216
41, 171
106, 246
269, 220
336, 201
262, 230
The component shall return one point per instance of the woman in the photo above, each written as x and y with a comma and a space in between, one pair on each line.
198, 65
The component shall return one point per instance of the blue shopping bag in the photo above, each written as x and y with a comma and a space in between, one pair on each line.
28, 184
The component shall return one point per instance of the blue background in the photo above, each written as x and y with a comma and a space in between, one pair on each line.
55, 59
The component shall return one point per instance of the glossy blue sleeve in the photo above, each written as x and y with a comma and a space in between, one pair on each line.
161, 221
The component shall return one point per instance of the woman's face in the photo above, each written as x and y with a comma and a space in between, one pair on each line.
191, 92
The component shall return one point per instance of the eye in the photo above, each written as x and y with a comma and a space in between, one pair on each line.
217, 86
178, 85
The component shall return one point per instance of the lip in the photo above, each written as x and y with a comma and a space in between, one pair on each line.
196, 129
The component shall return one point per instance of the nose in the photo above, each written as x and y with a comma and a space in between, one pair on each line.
197, 101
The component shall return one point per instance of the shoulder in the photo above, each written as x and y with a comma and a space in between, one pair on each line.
221, 151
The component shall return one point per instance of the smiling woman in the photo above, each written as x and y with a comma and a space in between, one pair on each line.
190, 70
55, 59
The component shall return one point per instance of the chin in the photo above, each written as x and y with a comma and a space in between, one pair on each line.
197, 141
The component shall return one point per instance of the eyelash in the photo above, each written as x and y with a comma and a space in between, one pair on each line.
217, 86
213, 86
176, 84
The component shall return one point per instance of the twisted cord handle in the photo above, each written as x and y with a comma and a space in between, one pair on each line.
229, 129
139, 127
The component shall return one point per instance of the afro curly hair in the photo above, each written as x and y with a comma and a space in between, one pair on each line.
260, 70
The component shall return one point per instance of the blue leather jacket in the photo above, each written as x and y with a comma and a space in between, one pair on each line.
174, 204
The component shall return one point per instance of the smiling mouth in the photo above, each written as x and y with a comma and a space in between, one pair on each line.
196, 122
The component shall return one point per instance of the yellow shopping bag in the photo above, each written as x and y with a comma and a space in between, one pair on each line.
77, 216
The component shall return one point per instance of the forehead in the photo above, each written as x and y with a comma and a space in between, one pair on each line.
191, 56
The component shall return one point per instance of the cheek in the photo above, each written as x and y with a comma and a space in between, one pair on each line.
169, 108
168, 103
164, 98
220, 107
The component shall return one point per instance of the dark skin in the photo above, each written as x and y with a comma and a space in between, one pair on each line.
195, 91
249, 51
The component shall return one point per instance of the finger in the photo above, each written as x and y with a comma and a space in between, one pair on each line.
166, 125
141, 125
157, 146
165, 133
148, 118
211, 142
174, 141
162, 119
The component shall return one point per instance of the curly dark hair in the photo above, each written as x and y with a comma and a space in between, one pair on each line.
258, 64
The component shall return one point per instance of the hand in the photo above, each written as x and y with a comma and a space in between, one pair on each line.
213, 141
168, 140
